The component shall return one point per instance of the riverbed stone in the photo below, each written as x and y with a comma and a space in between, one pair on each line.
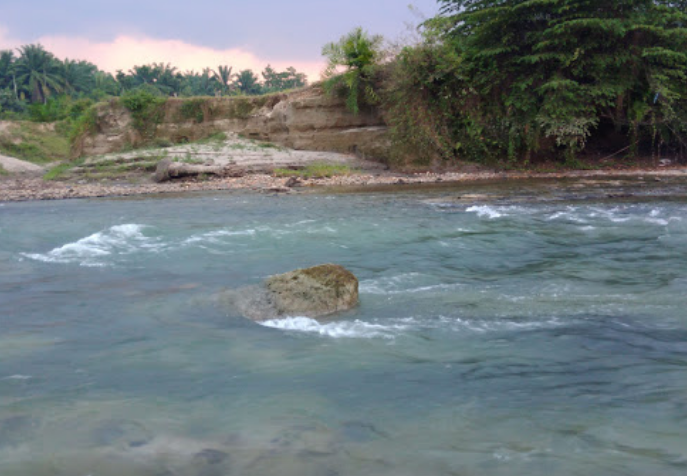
313, 292
210, 456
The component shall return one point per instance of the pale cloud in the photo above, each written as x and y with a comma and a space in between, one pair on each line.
126, 51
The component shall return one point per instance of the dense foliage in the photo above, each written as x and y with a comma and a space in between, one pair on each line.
35, 84
522, 79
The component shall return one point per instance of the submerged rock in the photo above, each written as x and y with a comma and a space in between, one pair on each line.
210, 456
16, 429
121, 433
312, 292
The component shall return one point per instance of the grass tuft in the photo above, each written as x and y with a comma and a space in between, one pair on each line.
34, 143
57, 172
316, 170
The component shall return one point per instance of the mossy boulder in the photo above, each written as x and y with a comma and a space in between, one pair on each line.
313, 292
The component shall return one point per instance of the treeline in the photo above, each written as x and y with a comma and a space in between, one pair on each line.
34, 84
518, 81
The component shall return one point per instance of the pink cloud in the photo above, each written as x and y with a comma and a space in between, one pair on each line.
125, 51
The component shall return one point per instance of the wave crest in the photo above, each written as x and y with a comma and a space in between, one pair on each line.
344, 329
90, 251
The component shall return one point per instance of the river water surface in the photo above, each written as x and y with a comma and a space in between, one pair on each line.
494, 337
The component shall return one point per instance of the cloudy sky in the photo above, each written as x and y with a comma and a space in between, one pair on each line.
192, 34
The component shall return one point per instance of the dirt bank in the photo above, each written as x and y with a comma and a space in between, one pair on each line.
306, 119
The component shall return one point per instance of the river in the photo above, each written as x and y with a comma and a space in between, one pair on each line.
495, 336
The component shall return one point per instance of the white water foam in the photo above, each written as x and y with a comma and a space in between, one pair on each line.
406, 283
300, 223
18, 377
370, 287
94, 249
345, 329
485, 211
616, 215
392, 328
570, 214
216, 236
496, 325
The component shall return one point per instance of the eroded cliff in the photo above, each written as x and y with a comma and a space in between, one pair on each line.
302, 120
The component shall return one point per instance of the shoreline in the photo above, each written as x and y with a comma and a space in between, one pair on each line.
27, 187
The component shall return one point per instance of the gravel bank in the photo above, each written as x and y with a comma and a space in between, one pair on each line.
10, 164
21, 188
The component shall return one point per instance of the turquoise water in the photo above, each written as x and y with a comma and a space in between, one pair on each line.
493, 338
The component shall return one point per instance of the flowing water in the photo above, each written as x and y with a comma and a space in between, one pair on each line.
494, 337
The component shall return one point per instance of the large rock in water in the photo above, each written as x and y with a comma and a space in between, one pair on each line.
313, 292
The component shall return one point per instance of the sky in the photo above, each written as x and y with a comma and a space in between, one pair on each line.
193, 34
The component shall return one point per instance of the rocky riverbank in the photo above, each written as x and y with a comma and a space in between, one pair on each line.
27, 187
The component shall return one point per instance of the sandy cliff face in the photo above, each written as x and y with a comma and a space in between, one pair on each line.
303, 120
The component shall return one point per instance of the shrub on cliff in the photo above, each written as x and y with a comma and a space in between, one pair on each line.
146, 107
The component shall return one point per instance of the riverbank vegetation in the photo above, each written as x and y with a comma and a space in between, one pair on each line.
505, 83
316, 170
515, 82
37, 86
36, 143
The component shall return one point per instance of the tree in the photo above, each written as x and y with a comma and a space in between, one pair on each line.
38, 72
161, 76
559, 68
105, 85
247, 83
351, 66
275, 81
167, 79
223, 75
272, 81
78, 76
6, 69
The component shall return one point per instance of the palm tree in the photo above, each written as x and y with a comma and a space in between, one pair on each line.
6, 68
208, 82
38, 72
143, 74
78, 76
223, 76
247, 82
106, 83
357, 53
9, 96
168, 79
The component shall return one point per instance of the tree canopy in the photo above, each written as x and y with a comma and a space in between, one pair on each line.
31, 76
520, 77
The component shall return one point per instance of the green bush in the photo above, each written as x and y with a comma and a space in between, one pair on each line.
147, 110
194, 109
12, 108
421, 99
85, 123
241, 108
